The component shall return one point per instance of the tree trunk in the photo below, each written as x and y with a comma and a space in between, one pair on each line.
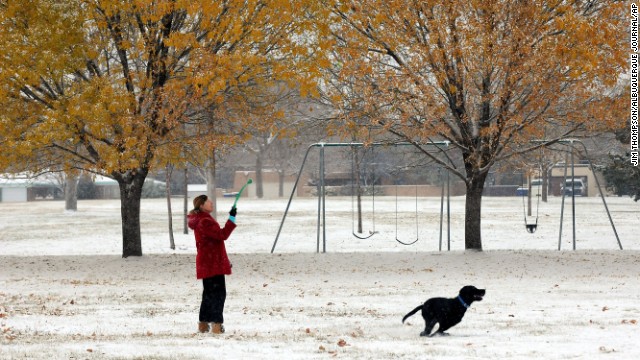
211, 182
172, 243
473, 212
71, 191
259, 189
130, 184
281, 183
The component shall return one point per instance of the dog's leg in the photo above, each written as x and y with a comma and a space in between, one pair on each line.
428, 329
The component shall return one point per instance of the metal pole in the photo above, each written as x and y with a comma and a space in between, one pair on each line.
295, 185
562, 191
320, 190
573, 197
324, 206
601, 194
441, 208
448, 214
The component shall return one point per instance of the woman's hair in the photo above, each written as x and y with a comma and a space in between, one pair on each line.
197, 202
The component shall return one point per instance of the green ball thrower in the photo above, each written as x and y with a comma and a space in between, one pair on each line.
240, 192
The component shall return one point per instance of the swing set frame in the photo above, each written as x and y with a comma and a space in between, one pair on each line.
321, 232
570, 143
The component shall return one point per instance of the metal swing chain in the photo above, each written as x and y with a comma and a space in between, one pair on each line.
524, 208
538, 203
417, 234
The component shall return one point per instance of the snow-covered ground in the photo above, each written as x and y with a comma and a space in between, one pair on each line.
66, 293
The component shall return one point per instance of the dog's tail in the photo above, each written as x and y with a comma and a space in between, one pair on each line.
411, 313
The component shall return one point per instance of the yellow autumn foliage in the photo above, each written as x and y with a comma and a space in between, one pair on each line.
108, 83
488, 76
119, 87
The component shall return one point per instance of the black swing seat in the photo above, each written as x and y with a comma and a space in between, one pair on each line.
531, 228
371, 233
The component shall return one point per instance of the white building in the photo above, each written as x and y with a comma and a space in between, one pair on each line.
22, 187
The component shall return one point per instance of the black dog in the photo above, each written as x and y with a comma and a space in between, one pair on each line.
446, 312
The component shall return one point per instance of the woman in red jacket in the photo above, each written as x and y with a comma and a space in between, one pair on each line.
212, 262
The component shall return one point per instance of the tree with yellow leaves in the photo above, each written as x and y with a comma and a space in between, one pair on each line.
107, 86
486, 75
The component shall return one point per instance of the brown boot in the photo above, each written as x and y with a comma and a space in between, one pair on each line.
217, 328
203, 327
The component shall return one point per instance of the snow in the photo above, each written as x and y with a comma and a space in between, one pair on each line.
66, 292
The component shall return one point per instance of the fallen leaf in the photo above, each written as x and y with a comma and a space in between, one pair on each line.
605, 350
342, 343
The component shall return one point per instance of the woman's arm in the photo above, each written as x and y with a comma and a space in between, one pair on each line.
212, 230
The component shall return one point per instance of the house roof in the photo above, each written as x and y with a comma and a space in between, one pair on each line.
24, 180
197, 187
106, 181
103, 180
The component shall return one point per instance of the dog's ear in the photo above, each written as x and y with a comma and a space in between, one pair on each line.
468, 289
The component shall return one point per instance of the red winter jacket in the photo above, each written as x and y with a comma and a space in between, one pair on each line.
211, 258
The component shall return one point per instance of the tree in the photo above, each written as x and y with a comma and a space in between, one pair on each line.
488, 76
272, 144
622, 177
106, 85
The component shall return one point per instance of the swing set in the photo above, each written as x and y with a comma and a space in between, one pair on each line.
356, 196
531, 227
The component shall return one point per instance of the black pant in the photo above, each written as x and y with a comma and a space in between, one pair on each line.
213, 297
